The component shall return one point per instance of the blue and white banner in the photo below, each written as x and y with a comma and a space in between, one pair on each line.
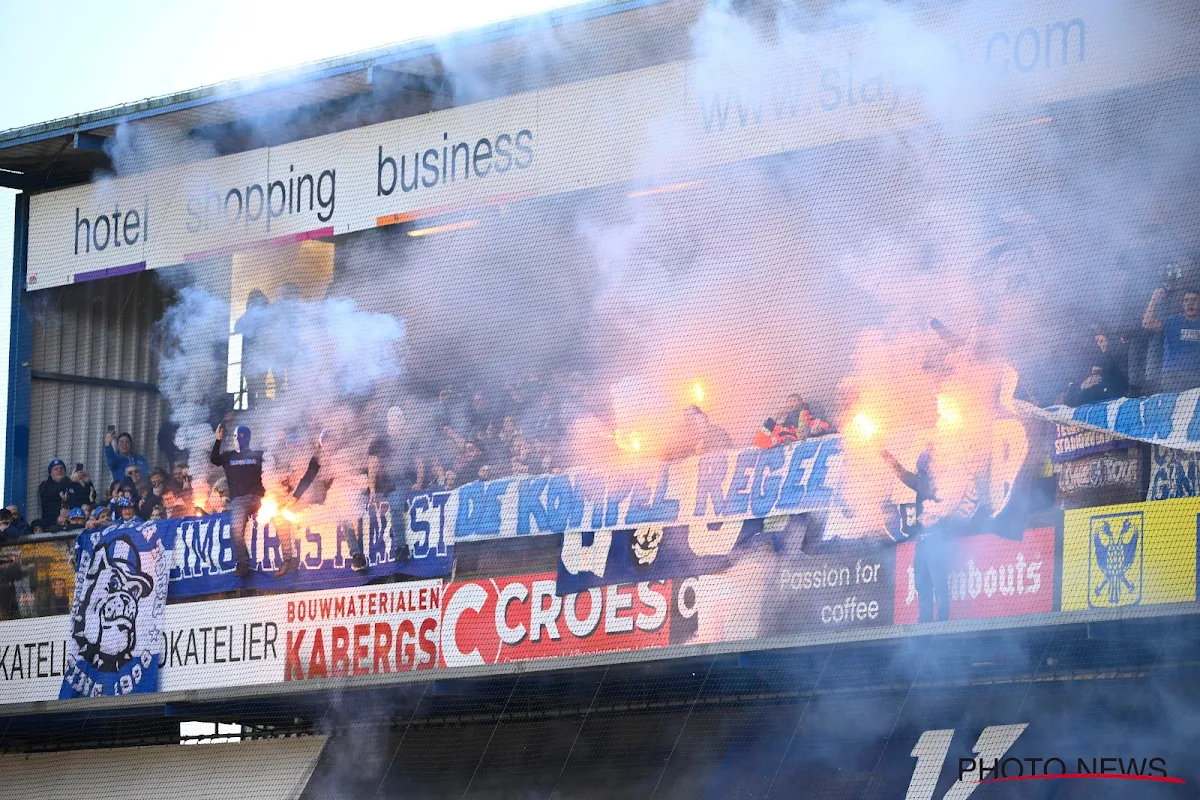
410, 538
1171, 420
729, 486
652, 553
1173, 473
118, 610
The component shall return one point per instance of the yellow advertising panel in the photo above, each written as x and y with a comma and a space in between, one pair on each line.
1139, 554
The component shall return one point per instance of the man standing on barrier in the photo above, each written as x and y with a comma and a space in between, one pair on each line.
931, 558
243, 472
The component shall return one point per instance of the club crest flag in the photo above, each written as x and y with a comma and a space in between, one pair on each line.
116, 622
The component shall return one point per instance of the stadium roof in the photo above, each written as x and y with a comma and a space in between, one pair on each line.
350, 91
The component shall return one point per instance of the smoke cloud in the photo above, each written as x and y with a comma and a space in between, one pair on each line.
943, 193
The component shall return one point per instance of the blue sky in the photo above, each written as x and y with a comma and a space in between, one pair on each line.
67, 57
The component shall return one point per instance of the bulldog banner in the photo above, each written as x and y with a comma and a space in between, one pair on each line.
117, 613
409, 539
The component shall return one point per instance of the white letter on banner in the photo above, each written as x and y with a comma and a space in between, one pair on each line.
513, 591
577, 558
542, 617
469, 596
582, 628
614, 603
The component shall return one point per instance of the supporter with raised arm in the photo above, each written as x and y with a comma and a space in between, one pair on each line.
243, 472
122, 455
87, 489
1181, 340
933, 524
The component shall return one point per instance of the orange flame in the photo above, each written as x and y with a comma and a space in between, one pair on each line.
862, 426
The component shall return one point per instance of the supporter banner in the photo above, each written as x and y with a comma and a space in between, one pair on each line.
1173, 473
1172, 420
1139, 554
1107, 478
204, 561
988, 576
598, 558
725, 487
117, 613
523, 618
847, 85
1071, 443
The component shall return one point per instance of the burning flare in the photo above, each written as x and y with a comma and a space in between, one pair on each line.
863, 426
269, 509
629, 442
698, 392
949, 416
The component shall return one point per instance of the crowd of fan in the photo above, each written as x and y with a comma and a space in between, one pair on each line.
1163, 356
521, 432
71, 501
524, 428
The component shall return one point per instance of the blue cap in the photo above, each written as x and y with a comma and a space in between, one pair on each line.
58, 462
97, 511
76, 512
125, 502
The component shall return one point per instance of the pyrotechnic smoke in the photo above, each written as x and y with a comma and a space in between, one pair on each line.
815, 271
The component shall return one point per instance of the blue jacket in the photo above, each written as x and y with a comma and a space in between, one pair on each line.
117, 463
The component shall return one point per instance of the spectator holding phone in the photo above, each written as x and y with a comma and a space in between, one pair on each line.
1181, 340
122, 455
81, 478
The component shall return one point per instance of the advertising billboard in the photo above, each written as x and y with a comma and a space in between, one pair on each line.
1139, 554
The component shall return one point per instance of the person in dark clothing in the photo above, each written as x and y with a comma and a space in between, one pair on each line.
86, 495
294, 502
243, 472
58, 492
1105, 376
931, 557
6, 520
18, 527
10, 573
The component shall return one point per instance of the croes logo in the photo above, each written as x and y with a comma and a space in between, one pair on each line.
1115, 559
105, 626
